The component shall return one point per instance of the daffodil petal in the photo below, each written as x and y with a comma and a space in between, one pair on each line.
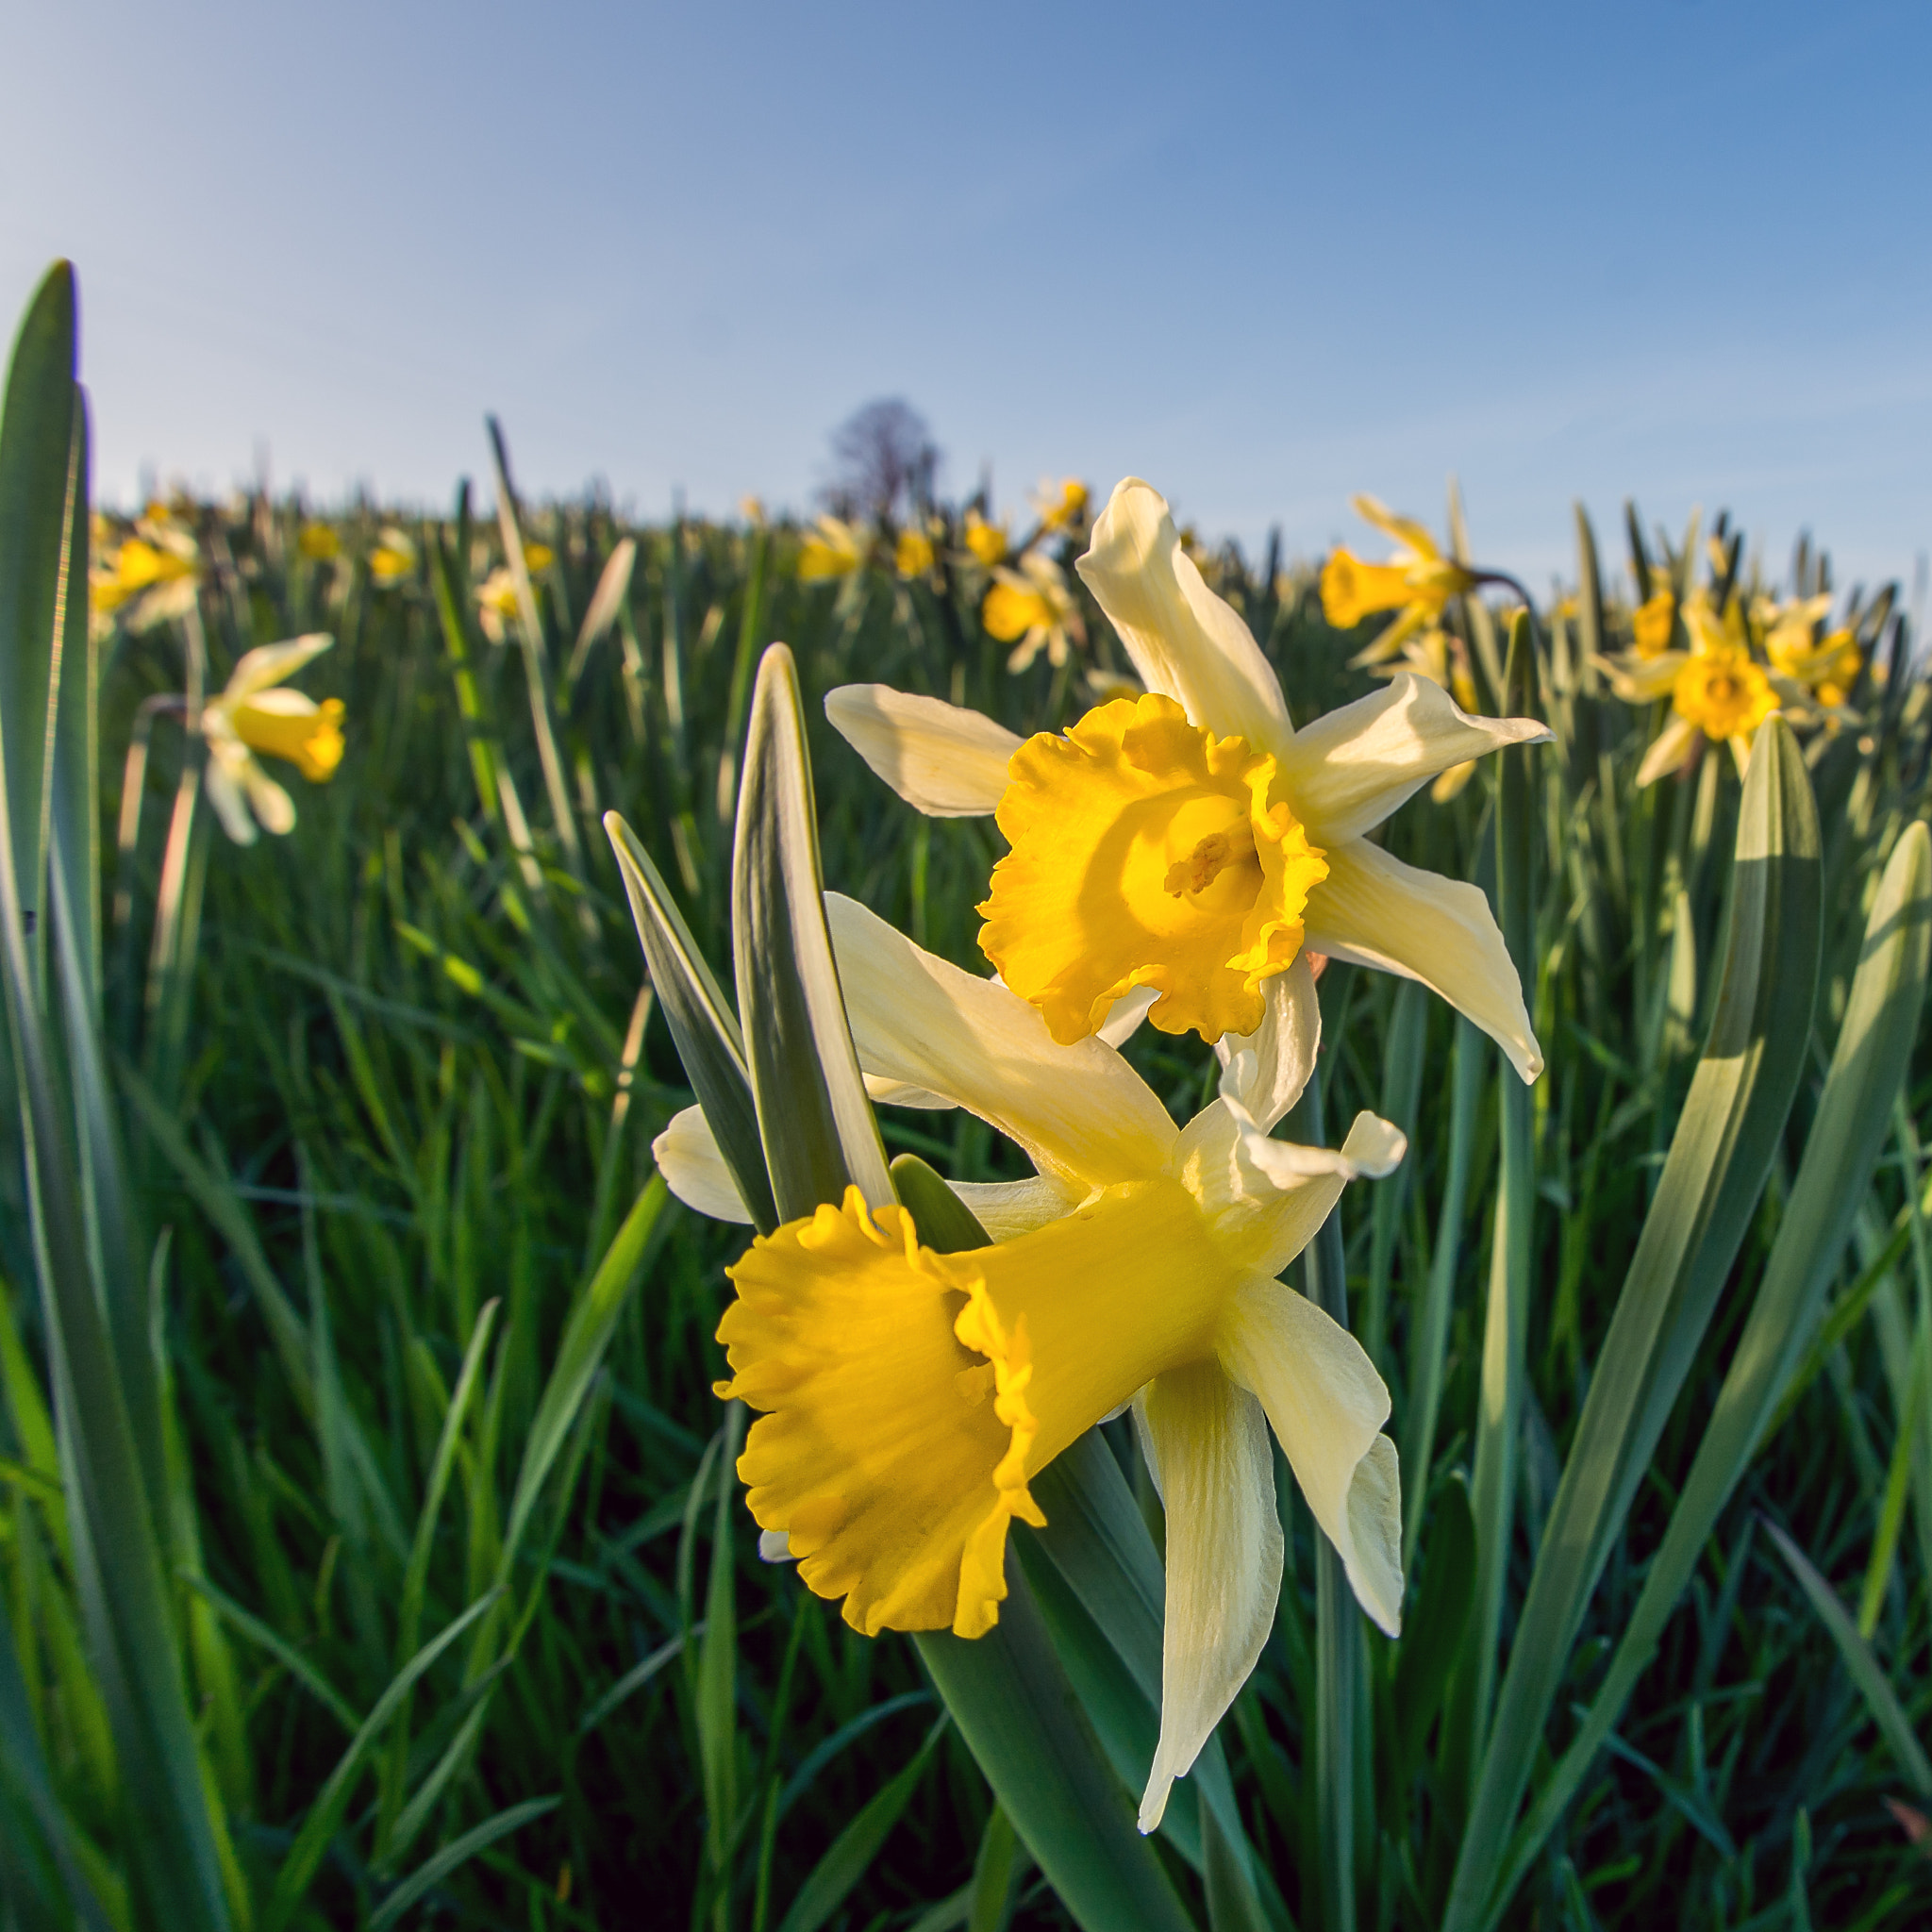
1376, 912
693, 1169
1326, 1405
231, 806
1079, 1112
1265, 1070
1008, 1209
1668, 750
267, 800
1404, 530
898, 1093
948, 762
775, 1546
1123, 1019
1347, 771
1186, 642
268, 664
1641, 680
1223, 1558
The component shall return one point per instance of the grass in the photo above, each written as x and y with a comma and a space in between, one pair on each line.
433, 1348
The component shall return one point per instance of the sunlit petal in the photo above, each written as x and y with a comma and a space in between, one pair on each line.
947, 761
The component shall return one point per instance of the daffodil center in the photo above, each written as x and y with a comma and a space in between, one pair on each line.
1147, 852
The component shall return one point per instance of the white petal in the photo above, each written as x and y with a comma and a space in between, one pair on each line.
1223, 1559
282, 703
897, 1094
1186, 642
1326, 1405
949, 762
1008, 1209
269, 802
774, 1545
1266, 1200
1265, 1070
224, 793
1374, 910
1348, 771
1124, 1016
1079, 1112
688, 1158
270, 664
1668, 750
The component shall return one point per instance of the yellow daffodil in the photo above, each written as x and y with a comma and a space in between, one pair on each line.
1417, 581
537, 557
256, 713
1032, 605
1652, 622
912, 555
319, 542
987, 541
752, 508
837, 550
496, 602
150, 577
908, 1398
1061, 505
1717, 691
393, 557
1192, 840
1826, 666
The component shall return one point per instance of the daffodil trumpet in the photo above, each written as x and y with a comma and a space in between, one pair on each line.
906, 1398
1192, 840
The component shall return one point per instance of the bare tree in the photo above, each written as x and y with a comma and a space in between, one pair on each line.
883, 461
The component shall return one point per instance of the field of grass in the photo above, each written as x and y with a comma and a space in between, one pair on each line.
413, 1356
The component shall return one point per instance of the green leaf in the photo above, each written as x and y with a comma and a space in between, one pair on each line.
1733, 1117
703, 1027
434, 1871
1880, 1699
814, 1119
326, 1815
1433, 1632
851, 1853
1874, 1045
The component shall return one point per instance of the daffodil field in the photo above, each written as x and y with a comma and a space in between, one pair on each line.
957, 1218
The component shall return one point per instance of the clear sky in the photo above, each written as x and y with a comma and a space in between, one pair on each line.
1263, 256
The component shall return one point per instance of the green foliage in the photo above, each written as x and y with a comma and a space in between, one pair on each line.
369, 1542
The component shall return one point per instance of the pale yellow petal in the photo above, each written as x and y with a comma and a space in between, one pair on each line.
1123, 1021
1378, 911
1223, 1558
1326, 1405
947, 761
1668, 750
688, 1158
1008, 1209
1346, 772
225, 793
1186, 642
1079, 1112
1265, 1070
268, 664
269, 804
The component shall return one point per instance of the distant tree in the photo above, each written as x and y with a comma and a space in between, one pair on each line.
884, 462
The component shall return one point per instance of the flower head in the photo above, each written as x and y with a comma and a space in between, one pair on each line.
256, 714
319, 542
908, 1398
151, 576
836, 550
985, 542
1115, 819
912, 555
1061, 504
1418, 582
1031, 608
393, 556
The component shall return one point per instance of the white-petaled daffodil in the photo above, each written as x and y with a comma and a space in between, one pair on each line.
908, 1397
1192, 840
257, 712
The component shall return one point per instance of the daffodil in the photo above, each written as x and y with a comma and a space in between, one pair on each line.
1418, 582
1192, 840
255, 712
1061, 505
1442, 659
908, 1398
1031, 608
1652, 622
319, 542
985, 542
496, 602
1826, 666
393, 556
1719, 691
836, 550
912, 554
151, 576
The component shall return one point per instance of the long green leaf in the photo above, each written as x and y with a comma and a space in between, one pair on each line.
703, 1027
1874, 1046
1719, 1155
432, 1872
814, 1119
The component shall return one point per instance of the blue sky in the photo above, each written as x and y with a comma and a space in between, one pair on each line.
1264, 256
